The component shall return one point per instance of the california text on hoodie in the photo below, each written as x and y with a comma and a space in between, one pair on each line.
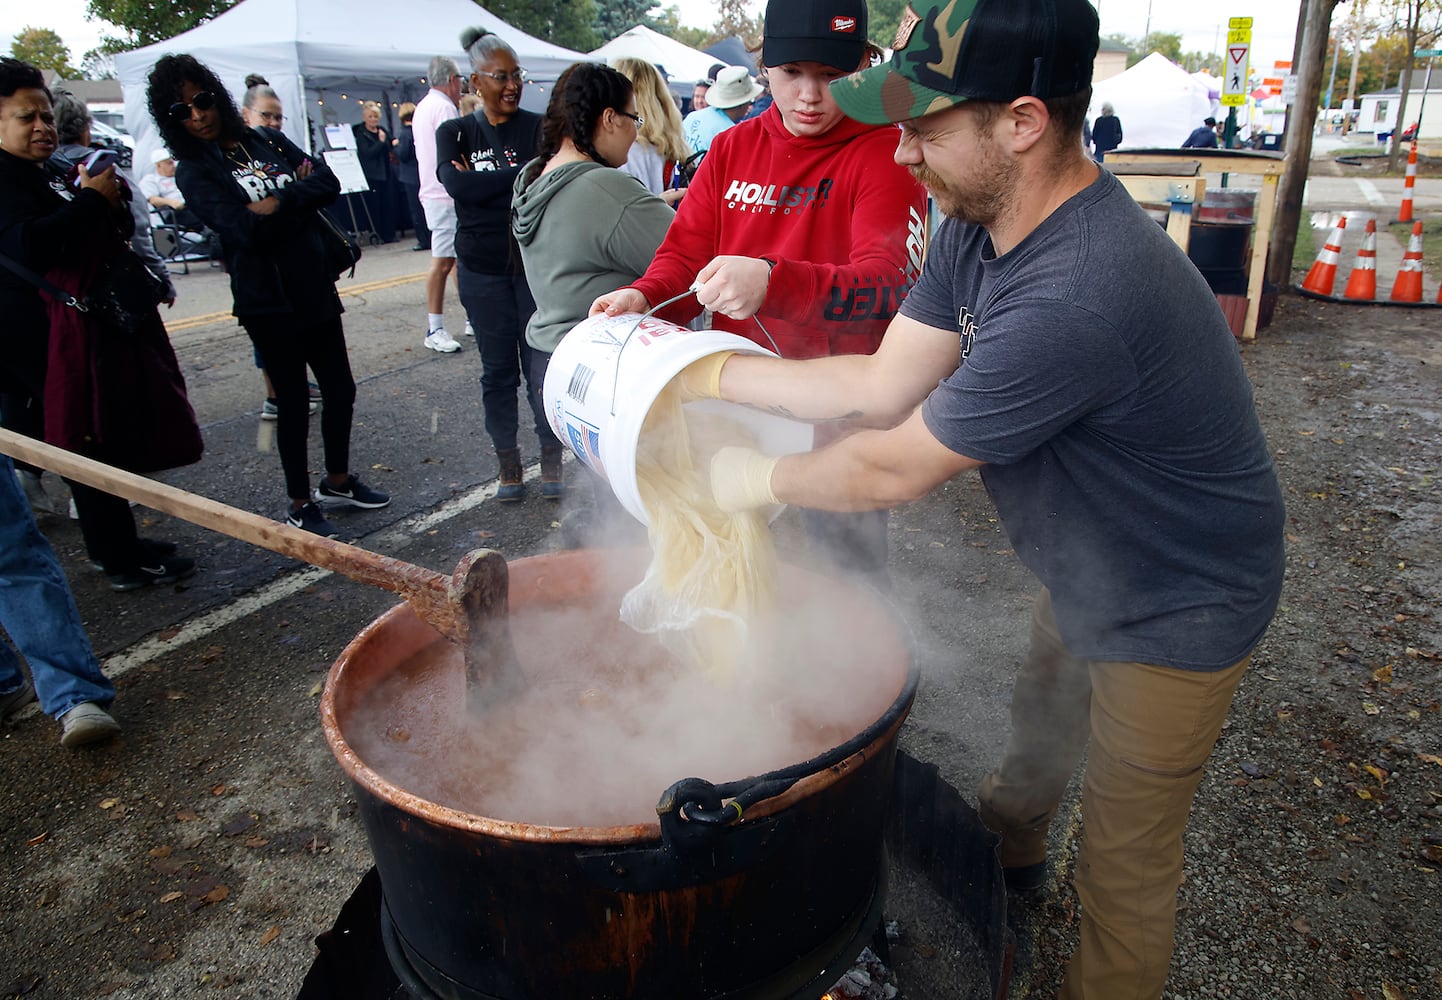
483, 193
840, 218
276, 262
584, 229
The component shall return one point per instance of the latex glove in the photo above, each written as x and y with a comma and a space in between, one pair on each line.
702, 379
741, 479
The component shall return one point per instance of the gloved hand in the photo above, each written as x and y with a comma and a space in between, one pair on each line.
701, 379
741, 479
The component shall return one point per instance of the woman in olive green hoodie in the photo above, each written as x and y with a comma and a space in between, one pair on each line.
584, 227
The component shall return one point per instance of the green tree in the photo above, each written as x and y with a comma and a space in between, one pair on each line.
734, 20
1165, 42
564, 22
668, 23
616, 16
884, 17
43, 49
145, 22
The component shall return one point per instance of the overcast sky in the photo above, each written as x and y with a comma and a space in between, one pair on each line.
1274, 22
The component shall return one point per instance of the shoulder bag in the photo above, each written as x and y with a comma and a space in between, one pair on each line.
342, 252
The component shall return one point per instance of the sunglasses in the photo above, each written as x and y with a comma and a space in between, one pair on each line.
635, 118
203, 101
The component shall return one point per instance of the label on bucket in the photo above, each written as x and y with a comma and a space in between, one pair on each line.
605, 374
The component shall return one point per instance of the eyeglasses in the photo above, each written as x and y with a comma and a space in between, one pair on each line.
519, 76
269, 116
635, 118
203, 101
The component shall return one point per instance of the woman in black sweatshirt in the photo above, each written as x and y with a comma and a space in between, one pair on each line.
477, 159
263, 195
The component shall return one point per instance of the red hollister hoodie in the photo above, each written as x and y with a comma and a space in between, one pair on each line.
842, 221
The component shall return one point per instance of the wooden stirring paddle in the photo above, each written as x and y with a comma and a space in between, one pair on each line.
469, 607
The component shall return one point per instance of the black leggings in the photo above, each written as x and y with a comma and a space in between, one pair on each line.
287, 345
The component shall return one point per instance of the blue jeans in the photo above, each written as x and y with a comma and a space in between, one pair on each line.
38, 612
499, 306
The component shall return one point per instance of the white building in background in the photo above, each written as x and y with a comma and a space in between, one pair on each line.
1378, 111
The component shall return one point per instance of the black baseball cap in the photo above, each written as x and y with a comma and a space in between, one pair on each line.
975, 50
832, 32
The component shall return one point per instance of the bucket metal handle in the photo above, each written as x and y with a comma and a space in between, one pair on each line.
616, 374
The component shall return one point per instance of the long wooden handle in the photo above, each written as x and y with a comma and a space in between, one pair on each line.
425, 590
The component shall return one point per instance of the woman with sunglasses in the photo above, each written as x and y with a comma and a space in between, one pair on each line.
263, 196
478, 157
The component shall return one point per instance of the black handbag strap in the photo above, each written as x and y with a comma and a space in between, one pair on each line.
42, 283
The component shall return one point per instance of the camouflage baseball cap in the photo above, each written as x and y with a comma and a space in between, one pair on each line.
975, 50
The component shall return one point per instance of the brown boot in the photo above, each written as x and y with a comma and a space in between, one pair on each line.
553, 482
511, 488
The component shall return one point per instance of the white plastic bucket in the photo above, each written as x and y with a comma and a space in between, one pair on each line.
605, 374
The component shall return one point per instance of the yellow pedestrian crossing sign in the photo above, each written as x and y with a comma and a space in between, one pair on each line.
1234, 66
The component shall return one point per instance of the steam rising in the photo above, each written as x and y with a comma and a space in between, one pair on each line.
610, 720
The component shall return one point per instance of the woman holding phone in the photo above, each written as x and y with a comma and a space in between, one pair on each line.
263, 195
48, 220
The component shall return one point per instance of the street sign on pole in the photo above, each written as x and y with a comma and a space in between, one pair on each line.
1235, 69
1426, 53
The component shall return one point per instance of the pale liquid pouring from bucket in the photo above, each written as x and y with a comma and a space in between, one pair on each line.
709, 587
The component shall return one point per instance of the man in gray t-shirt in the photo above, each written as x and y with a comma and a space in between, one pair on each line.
1061, 344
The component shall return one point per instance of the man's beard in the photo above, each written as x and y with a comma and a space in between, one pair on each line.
981, 206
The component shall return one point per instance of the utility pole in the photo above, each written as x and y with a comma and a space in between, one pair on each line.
1301, 121
1332, 83
1357, 6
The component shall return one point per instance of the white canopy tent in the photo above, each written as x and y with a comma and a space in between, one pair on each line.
325, 56
1158, 102
683, 64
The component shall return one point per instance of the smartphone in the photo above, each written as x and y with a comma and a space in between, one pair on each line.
97, 163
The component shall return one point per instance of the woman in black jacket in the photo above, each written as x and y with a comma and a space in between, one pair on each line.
46, 222
263, 196
373, 149
477, 159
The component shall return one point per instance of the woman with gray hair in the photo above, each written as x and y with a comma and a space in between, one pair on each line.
72, 123
1106, 132
479, 156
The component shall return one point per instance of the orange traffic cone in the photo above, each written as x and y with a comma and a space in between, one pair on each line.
1324, 269
1362, 283
1408, 286
1407, 185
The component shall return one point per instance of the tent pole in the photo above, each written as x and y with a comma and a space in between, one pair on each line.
305, 114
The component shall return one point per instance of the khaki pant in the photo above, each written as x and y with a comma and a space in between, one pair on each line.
1151, 730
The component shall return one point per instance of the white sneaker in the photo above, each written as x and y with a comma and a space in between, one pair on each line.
441, 341
470, 330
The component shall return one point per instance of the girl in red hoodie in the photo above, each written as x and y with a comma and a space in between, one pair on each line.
801, 231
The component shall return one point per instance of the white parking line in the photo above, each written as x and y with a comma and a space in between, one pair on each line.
149, 649
1370, 192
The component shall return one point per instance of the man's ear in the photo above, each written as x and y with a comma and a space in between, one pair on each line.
1029, 120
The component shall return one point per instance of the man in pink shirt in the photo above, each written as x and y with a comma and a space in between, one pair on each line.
438, 106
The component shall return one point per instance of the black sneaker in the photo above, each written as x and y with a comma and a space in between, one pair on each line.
309, 518
355, 493
152, 551
151, 572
